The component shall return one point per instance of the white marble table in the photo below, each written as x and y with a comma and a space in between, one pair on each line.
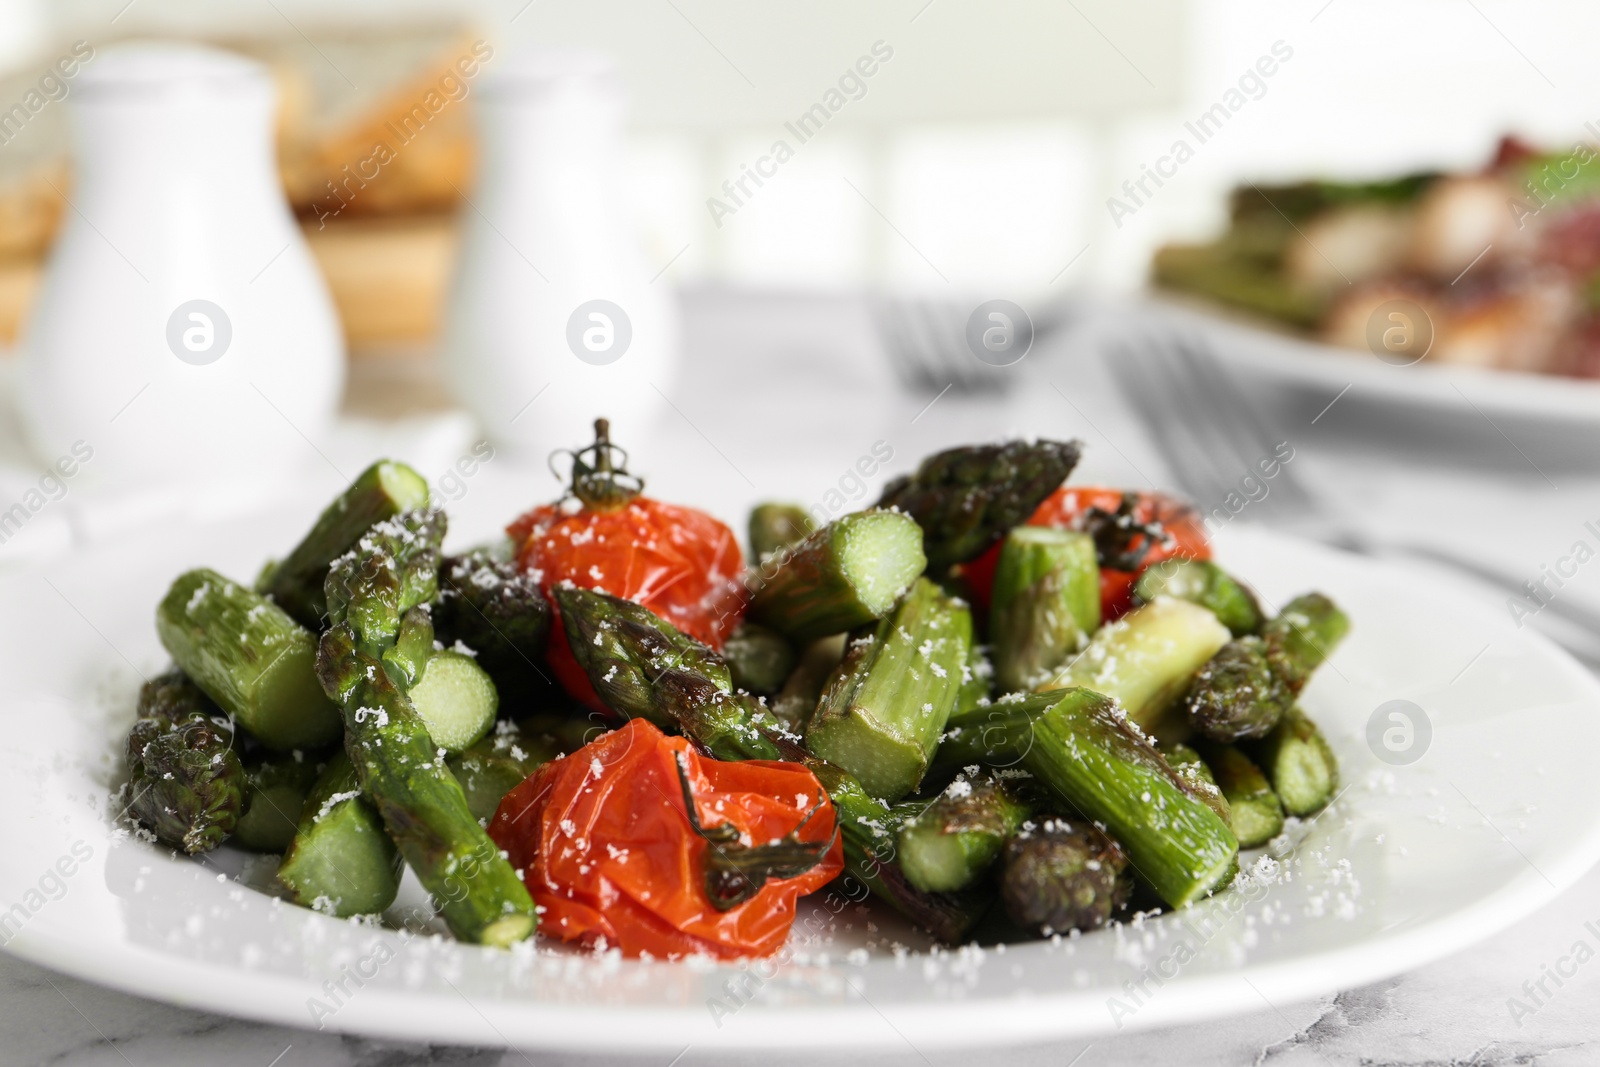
808, 369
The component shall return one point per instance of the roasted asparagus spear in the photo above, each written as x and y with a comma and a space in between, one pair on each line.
1044, 605
295, 583
1061, 876
185, 781
885, 707
378, 648
1250, 683
965, 499
950, 843
849, 573
249, 656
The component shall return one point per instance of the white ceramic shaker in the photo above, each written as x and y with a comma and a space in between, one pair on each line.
182, 328
554, 320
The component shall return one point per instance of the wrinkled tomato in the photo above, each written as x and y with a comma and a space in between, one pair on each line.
1069, 506
680, 563
605, 844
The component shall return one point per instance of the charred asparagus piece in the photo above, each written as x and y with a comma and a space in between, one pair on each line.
1238, 694
641, 666
803, 688
1254, 811
759, 659
965, 499
1201, 782
1146, 659
952, 842
498, 764
849, 573
1045, 603
249, 656
1300, 764
377, 648
1202, 582
774, 527
977, 681
1081, 747
341, 862
1306, 632
885, 707
1245, 689
493, 607
869, 831
1063, 876
278, 787
382, 491
185, 781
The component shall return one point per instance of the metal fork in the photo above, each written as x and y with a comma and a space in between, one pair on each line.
1210, 437
926, 341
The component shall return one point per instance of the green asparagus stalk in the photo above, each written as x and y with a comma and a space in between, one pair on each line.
641, 666
759, 659
493, 607
869, 831
965, 499
249, 656
185, 781
849, 573
278, 787
1300, 764
377, 647
1063, 876
668, 682
340, 862
498, 764
774, 527
1251, 682
1306, 632
951, 843
1202, 582
1201, 782
885, 707
1045, 603
456, 700
802, 690
382, 491
1238, 694
977, 681
1255, 812
1080, 746
1146, 659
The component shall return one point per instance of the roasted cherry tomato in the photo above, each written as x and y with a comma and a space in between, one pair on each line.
680, 563
1103, 511
636, 841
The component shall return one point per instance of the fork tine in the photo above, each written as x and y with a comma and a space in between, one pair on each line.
1238, 408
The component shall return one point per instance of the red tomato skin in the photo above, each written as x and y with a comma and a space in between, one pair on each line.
1066, 508
680, 563
605, 848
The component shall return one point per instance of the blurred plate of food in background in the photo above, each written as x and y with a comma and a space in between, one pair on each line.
1483, 285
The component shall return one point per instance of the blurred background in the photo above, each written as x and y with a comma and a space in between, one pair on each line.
804, 210
992, 139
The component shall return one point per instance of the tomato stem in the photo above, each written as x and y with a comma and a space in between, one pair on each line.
600, 478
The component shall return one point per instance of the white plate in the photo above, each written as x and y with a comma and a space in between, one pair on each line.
1271, 356
1414, 862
